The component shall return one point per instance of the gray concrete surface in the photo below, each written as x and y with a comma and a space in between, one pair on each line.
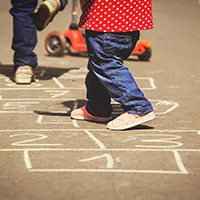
46, 155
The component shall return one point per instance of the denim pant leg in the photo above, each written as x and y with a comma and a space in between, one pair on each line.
106, 53
98, 98
24, 32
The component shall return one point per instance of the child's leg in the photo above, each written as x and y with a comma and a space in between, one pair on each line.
107, 52
47, 11
98, 107
24, 33
98, 98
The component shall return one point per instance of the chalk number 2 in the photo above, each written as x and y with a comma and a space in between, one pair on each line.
29, 142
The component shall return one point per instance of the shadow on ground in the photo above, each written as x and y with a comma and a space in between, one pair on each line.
71, 105
41, 72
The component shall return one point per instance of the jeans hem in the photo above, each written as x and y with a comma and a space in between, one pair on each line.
139, 113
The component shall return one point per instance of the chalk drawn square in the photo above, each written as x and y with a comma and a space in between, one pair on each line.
105, 161
51, 119
146, 83
161, 107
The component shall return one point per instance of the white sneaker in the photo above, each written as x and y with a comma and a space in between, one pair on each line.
23, 75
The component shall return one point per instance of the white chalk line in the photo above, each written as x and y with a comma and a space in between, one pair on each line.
60, 85
31, 112
101, 130
107, 170
35, 84
110, 160
75, 123
46, 88
163, 102
27, 160
40, 118
73, 76
53, 88
151, 81
6, 111
179, 162
19, 103
97, 150
36, 99
59, 122
17, 112
58, 95
98, 142
75, 106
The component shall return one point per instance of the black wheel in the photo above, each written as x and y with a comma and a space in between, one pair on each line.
146, 55
55, 44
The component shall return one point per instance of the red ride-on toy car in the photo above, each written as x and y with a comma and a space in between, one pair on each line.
72, 41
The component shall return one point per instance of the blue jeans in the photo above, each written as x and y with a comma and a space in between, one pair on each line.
24, 32
108, 77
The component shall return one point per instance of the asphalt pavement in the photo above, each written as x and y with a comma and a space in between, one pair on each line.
47, 155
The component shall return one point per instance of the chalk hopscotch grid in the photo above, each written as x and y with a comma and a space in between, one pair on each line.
102, 148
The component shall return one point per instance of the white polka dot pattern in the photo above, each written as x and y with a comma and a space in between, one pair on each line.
117, 15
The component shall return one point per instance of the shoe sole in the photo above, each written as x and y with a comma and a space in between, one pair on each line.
43, 16
100, 119
23, 80
128, 126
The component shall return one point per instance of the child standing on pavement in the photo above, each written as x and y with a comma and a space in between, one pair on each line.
112, 31
25, 26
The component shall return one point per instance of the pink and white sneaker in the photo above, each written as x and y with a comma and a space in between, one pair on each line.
82, 114
126, 121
